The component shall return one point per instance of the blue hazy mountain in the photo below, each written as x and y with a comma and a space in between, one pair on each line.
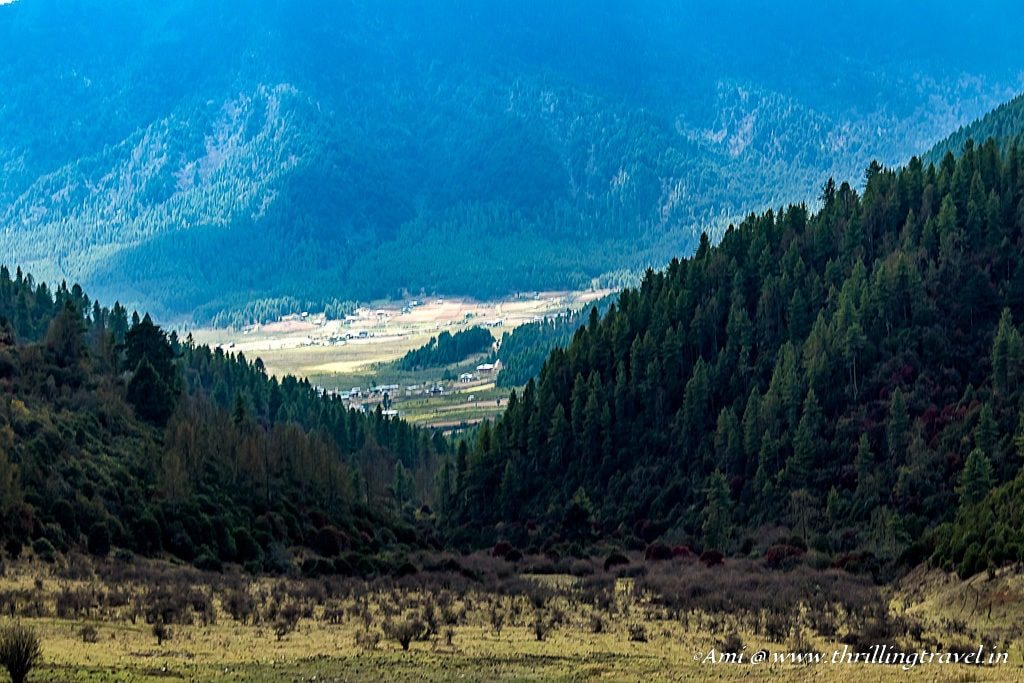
1005, 124
192, 155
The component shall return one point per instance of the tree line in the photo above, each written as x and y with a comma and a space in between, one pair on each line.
447, 348
114, 433
848, 377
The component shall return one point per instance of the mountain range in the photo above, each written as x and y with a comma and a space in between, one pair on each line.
216, 154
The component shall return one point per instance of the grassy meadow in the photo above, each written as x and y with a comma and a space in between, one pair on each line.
482, 618
315, 348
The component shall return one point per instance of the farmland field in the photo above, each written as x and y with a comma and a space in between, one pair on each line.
652, 622
359, 351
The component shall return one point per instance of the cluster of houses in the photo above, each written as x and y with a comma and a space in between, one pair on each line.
367, 399
483, 371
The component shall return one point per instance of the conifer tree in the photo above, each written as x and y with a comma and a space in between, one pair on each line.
976, 478
717, 524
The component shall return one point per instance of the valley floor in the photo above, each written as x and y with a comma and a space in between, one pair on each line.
95, 627
360, 351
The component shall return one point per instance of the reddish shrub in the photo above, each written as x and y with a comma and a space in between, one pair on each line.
615, 560
329, 542
783, 556
682, 551
856, 563
712, 558
501, 549
657, 551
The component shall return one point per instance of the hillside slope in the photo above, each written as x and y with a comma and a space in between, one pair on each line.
114, 434
1005, 124
846, 380
210, 156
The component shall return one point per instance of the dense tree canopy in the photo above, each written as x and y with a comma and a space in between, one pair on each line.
114, 433
522, 351
850, 375
447, 348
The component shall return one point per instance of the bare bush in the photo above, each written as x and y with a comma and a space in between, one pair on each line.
162, 632
732, 644
541, 625
19, 651
367, 640
88, 634
239, 603
404, 631
287, 619
497, 619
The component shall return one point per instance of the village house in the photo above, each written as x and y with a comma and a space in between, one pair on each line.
489, 368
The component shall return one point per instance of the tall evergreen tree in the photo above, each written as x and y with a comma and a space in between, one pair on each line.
976, 478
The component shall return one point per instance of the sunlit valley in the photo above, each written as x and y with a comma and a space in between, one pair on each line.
355, 341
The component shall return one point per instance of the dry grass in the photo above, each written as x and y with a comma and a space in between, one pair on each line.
297, 347
344, 629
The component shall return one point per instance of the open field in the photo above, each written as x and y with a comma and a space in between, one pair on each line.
482, 618
359, 351
316, 346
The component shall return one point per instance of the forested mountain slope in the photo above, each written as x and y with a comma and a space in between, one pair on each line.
522, 351
114, 434
1005, 124
847, 379
194, 155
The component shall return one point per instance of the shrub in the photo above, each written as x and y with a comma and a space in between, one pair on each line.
277, 559
712, 558
657, 552
615, 560
541, 626
161, 632
44, 550
857, 563
405, 569
19, 651
404, 632
287, 620
147, 534
99, 539
329, 542
64, 513
637, 633
73, 604
497, 619
782, 556
13, 548
501, 549
732, 644
342, 567
208, 562
239, 604
246, 547
315, 567
581, 568
367, 640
